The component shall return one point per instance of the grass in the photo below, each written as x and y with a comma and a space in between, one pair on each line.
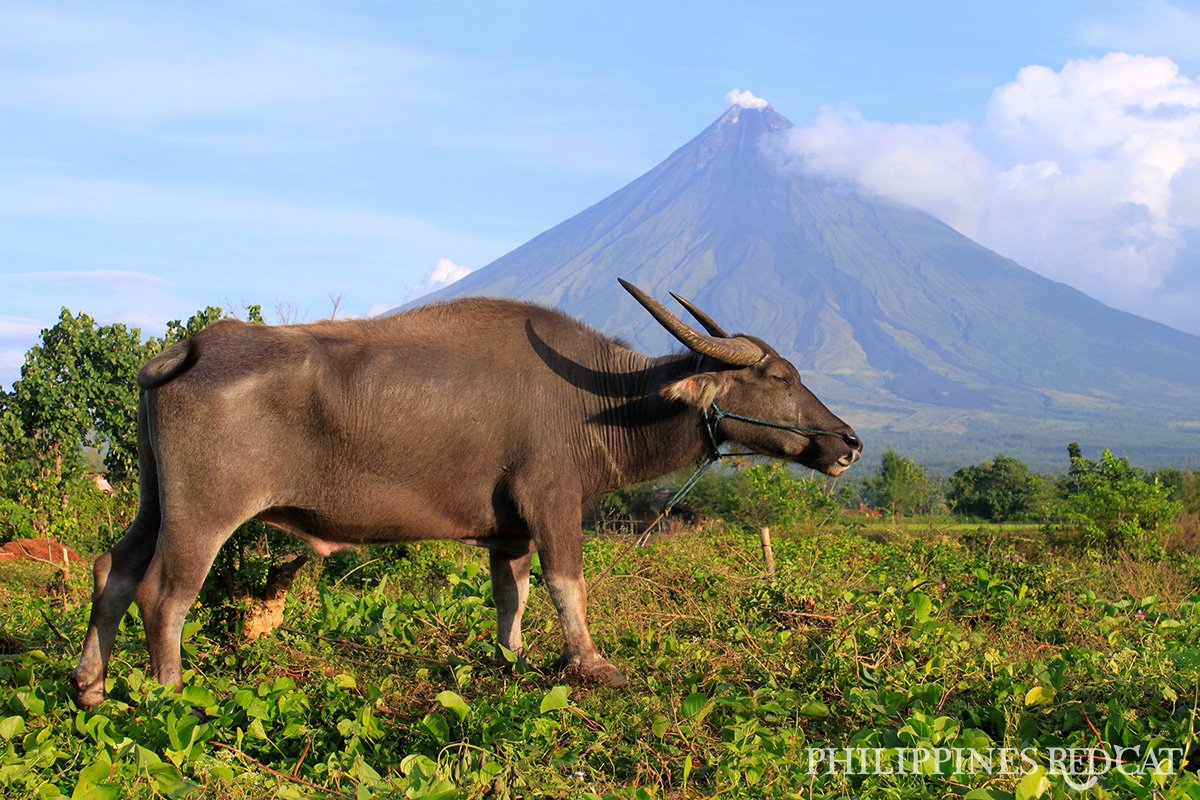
384, 681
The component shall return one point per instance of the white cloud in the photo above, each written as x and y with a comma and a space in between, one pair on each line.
445, 273
15, 281
319, 78
1155, 27
14, 327
1089, 175
33, 301
745, 99
58, 198
145, 65
933, 167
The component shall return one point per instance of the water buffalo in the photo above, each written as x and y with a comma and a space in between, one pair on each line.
488, 421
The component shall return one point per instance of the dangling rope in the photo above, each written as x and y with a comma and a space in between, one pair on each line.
677, 497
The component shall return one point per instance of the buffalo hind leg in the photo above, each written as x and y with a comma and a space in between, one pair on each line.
560, 549
181, 562
117, 574
510, 592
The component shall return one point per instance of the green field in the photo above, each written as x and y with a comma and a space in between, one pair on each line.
384, 682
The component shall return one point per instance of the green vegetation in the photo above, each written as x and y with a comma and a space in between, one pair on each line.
1003, 489
74, 405
1114, 504
901, 487
384, 685
765, 494
900, 629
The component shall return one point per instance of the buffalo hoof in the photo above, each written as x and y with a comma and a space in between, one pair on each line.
596, 670
87, 697
610, 677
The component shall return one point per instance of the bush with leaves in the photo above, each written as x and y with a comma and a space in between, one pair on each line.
641, 500
1000, 490
761, 495
765, 495
76, 388
1113, 504
771, 495
1184, 486
901, 486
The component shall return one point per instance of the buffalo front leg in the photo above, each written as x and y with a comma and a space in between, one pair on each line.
116, 575
510, 591
561, 552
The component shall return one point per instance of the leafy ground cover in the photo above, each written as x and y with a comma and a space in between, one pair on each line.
384, 682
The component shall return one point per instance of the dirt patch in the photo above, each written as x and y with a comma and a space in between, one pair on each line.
266, 614
46, 549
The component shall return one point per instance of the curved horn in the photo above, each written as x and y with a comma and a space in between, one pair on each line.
736, 352
708, 322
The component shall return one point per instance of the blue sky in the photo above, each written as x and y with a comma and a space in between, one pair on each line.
159, 157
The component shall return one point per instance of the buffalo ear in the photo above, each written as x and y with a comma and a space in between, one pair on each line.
698, 391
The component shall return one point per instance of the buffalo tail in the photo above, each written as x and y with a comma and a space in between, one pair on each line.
169, 364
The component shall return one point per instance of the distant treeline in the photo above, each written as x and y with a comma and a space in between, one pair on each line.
1104, 503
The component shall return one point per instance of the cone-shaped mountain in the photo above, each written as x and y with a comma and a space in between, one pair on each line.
908, 329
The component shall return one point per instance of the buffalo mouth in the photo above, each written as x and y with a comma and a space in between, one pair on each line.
833, 467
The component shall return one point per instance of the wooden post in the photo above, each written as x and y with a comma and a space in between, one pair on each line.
764, 535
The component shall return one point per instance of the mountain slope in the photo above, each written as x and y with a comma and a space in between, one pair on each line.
905, 326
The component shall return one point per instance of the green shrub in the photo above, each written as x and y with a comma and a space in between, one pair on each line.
761, 495
776, 498
1184, 486
16, 521
632, 501
1000, 490
765, 495
69, 508
901, 487
1114, 505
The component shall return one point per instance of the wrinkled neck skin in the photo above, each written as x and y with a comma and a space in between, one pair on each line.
646, 436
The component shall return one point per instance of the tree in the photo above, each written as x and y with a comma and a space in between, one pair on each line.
1184, 486
78, 387
1003, 489
901, 486
74, 390
74, 387
1114, 504
769, 495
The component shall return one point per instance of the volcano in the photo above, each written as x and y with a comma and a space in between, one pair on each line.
924, 340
